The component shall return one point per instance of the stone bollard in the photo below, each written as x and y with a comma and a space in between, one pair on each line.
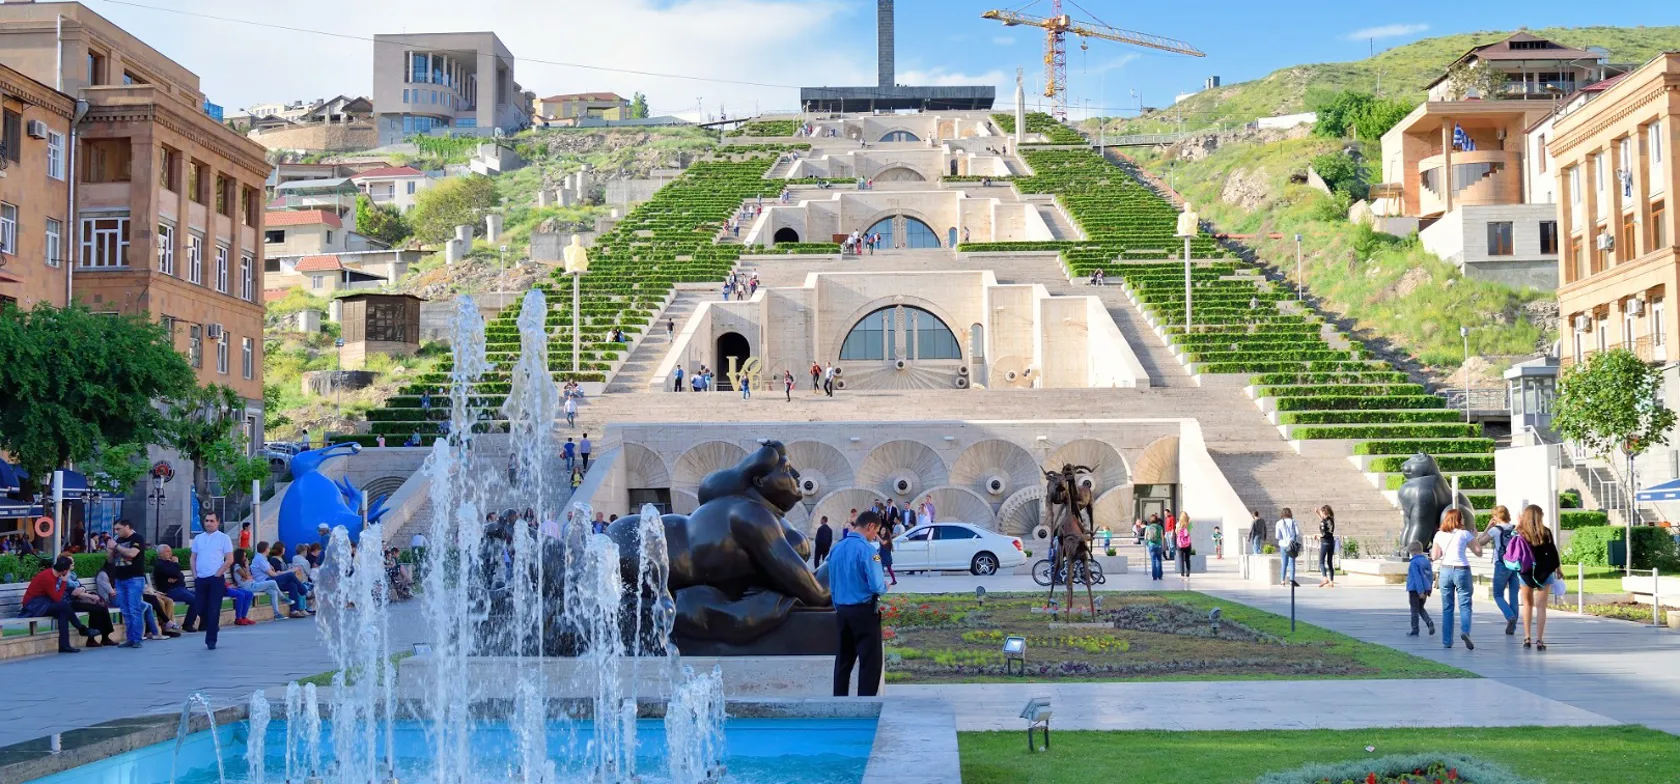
452, 251
492, 227
565, 198
463, 233
545, 198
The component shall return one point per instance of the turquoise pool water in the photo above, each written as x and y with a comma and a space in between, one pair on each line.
759, 751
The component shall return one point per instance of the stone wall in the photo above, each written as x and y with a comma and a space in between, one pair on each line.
319, 138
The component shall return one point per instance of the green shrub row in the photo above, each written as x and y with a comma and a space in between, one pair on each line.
1387, 432
1354, 417
1450, 446
1653, 548
1445, 462
1465, 481
1355, 402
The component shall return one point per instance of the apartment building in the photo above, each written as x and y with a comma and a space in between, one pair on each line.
394, 186
35, 175
445, 82
562, 109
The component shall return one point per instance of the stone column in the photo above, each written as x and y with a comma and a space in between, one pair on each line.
1567, 263
1589, 231
492, 227
1613, 224
1641, 169
1671, 181
1447, 126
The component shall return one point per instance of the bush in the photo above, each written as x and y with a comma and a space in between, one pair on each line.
1652, 547
1397, 769
1570, 499
1568, 519
450, 203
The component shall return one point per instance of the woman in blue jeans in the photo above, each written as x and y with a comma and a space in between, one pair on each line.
1289, 544
1450, 551
1152, 538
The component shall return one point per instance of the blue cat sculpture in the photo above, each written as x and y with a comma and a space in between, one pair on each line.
314, 499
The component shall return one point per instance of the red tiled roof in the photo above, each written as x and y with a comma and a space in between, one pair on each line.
302, 218
389, 171
584, 97
319, 264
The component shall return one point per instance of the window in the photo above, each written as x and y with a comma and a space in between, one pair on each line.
919, 535
247, 284
876, 336
387, 322
405, 96
1574, 185
1499, 238
1598, 174
946, 533
329, 236
222, 354
1577, 257
247, 358
1548, 238
11, 135
169, 163
917, 234
195, 345
224, 197
55, 155
317, 281
248, 204
1540, 156
108, 160
8, 228
195, 259
95, 68
166, 249
1627, 244
168, 324
1630, 323
105, 242
198, 179
411, 187
274, 235
1659, 228
1659, 326
868, 340
55, 242
221, 269
1580, 345
1656, 143
131, 78
418, 69
933, 340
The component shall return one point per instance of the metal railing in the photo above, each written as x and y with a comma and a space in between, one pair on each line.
1481, 399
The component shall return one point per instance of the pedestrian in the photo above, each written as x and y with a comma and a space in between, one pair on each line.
1538, 573
1420, 582
678, 387
887, 534
212, 557
568, 451
816, 376
379, 441
1506, 582
1451, 551
1218, 544
1170, 540
825, 540
1289, 543
127, 556
856, 581
828, 381
1256, 533
584, 448
746, 386
425, 403
1326, 547
571, 411
48, 596
787, 381
670, 328
1137, 530
1152, 534
1185, 549
927, 510
417, 546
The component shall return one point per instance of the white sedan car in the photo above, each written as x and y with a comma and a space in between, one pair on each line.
951, 546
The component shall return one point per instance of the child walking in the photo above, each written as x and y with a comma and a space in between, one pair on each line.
1420, 582
1218, 544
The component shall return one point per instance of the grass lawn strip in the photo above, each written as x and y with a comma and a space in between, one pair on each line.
954, 639
1551, 755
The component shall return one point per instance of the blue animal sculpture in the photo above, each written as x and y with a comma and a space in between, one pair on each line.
314, 499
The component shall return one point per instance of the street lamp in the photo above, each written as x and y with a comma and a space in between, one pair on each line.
501, 269
577, 263
1299, 281
1464, 332
1187, 225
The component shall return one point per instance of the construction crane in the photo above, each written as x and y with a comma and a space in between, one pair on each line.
1056, 28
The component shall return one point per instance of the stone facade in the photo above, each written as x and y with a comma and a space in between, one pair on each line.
319, 137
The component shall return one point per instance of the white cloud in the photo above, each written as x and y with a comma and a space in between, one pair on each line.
1003, 40
761, 41
1387, 31
1116, 63
939, 77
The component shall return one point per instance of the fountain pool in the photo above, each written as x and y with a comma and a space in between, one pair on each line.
760, 751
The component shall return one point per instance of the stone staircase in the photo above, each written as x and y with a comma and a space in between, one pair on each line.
637, 370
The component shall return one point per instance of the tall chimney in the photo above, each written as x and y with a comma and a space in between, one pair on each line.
884, 42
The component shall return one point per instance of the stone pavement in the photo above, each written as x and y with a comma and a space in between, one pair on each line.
1254, 705
1618, 669
57, 693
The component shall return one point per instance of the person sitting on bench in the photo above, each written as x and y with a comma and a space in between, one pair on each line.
47, 597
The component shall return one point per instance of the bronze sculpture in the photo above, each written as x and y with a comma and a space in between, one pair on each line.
1072, 521
1424, 497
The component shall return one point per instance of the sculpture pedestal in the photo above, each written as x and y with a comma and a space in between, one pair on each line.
804, 633
744, 677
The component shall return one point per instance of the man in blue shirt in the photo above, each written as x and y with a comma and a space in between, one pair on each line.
856, 580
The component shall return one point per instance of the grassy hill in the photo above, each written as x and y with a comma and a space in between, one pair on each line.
1403, 72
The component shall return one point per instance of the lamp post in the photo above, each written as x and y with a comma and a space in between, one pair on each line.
1299, 281
1464, 332
577, 263
501, 270
1187, 225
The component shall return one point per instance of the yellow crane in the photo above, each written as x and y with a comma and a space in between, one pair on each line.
1058, 25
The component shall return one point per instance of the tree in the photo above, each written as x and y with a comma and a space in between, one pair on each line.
1611, 403
204, 428
75, 380
638, 107
114, 469
1361, 115
273, 417
1486, 83
453, 202
1342, 173
381, 222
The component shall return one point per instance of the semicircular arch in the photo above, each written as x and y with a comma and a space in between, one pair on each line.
900, 173
1021, 513
644, 468
991, 459
852, 319
1158, 465
821, 463
836, 505
1109, 467
956, 504
702, 459
912, 461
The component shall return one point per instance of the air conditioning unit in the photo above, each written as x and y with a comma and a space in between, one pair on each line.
216, 333
37, 129
1583, 323
1606, 242
1635, 306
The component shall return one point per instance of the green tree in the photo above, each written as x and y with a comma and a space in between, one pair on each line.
1342, 173
381, 222
1361, 115
273, 417
74, 379
455, 201
114, 469
1610, 403
638, 107
204, 428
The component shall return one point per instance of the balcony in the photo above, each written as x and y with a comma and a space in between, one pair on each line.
1479, 178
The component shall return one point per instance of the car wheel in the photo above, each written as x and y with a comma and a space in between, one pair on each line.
983, 564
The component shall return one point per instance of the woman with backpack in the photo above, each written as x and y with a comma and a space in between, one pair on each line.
1152, 538
1535, 557
1289, 543
1182, 535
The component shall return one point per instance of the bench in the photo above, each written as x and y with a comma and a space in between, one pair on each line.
40, 635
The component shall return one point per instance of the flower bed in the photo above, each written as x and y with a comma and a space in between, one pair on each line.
1399, 769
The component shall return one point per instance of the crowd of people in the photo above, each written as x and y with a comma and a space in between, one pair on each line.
740, 285
859, 243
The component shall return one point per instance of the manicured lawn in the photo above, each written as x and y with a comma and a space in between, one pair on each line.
1567, 755
1159, 636
1599, 579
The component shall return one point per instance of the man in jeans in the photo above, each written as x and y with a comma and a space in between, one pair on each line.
169, 580
48, 596
1505, 581
127, 556
212, 557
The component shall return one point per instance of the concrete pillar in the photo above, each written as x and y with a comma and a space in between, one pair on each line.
492, 227
452, 251
545, 198
1589, 222
565, 198
463, 233
1567, 262
1641, 168
1614, 223
1447, 126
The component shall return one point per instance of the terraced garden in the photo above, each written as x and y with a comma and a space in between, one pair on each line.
633, 270
1039, 122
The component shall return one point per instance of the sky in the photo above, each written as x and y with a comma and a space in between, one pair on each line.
744, 56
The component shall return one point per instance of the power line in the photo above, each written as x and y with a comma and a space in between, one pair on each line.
395, 41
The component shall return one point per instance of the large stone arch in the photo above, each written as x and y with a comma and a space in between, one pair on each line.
383, 486
838, 504
1111, 470
1022, 513
995, 469
915, 463
900, 173
908, 212
1114, 510
954, 504
644, 469
703, 459
851, 320
1158, 465
822, 468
